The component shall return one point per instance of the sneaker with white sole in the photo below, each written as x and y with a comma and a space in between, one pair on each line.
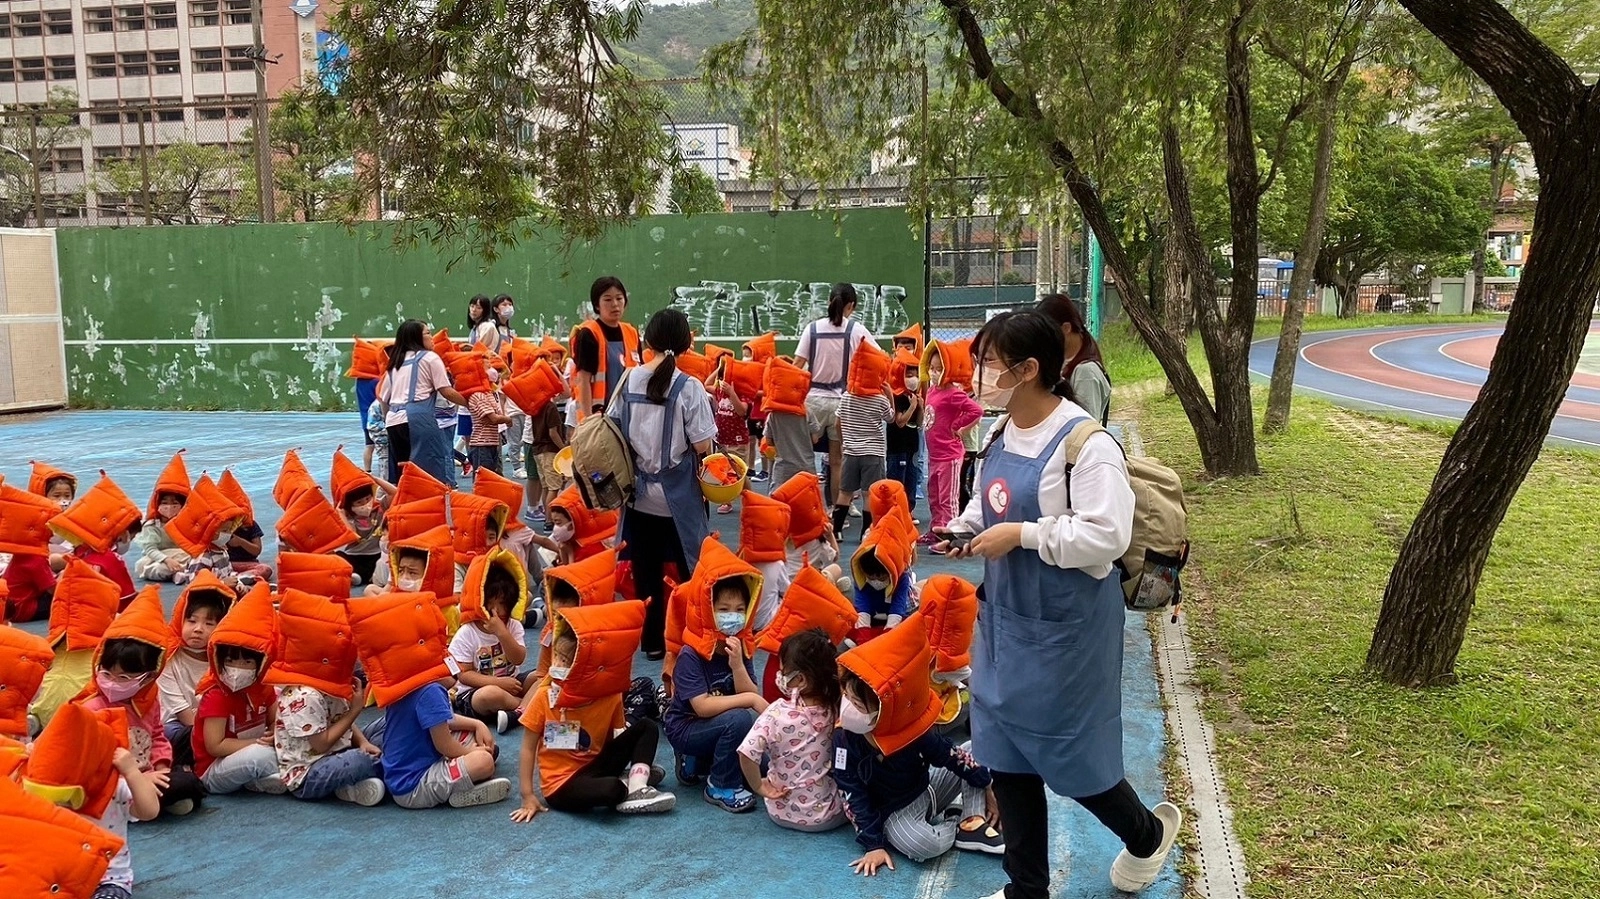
180, 808
502, 722
367, 792
982, 837
731, 799
646, 801
1129, 873
487, 793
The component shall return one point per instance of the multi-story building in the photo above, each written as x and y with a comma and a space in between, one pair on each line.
145, 74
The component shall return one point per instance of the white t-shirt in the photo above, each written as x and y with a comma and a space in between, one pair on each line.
115, 820
176, 684
431, 375
825, 358
695, 423
1088, 530
480, 651
774, 584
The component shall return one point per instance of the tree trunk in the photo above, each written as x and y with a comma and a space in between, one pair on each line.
1176, 307
1281, 393
1349, 295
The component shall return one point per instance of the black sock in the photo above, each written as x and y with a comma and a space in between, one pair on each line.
841, 514
866, 522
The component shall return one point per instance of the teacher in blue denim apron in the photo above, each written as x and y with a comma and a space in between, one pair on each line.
666, 416
413, 386
1047, 657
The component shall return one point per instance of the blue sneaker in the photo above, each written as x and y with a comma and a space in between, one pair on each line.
684, 767
732, 800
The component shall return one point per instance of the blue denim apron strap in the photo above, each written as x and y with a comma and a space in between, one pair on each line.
430, 444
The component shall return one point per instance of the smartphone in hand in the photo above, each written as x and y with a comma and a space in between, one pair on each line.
955, 541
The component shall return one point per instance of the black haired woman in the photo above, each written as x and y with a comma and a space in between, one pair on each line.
1084, 371
825, 348
666, 417
416, 378
1047, 658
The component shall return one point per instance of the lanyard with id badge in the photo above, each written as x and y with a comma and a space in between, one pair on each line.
560, 735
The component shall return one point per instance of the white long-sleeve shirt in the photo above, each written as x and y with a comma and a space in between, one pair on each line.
1091, 528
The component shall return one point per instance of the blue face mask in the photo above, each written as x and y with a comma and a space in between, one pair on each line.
730, 623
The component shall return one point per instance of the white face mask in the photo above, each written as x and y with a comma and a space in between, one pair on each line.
787, 686
879, 585
560, 672
912, 384
854, 720
562, 533
409, 584
990, 395
506, 312
237, 679
221, 540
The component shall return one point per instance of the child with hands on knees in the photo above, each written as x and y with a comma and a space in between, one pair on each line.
795, 735
236, 712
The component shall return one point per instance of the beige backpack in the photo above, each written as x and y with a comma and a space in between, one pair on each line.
602, 461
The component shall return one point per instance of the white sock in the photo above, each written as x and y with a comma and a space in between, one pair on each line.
638, 777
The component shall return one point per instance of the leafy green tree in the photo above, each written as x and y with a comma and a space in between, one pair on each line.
315, 157
693, 192
189, 184
29, 140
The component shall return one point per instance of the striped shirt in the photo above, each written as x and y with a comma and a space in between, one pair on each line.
863, 422
483, 405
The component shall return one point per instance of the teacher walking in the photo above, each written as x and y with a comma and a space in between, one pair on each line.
415, 381
825, 348
1047, 658
666, 417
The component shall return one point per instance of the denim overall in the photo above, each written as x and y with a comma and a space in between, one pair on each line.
680, 482
430, 444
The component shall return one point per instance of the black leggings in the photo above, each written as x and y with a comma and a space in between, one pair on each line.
652, 543
364, 566
598, 784
399, 449
1025, 820
182, 784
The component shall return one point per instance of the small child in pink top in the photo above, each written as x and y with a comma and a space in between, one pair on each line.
950, 411
795, 734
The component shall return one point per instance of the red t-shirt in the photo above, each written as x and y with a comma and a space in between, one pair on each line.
112, 566
30, 580
245, 711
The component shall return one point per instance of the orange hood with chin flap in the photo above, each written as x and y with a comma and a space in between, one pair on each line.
608, 638
319, 575
312, 525
252, 623
957, 358
486, 483
400, 639
717, 563
439, 577
71, 761
903, 364
763, 348
85, 602
204, 582
173, 479
314, 646
143, 621
98, 518
763, 528
594, 578
950, 609
48, 851
808, 516
784, 386
293, 479
367, 361
913, 334
25, 521
206, 514
813, 601
893, 541
43, 473
234, 491
471, 517
346, 478
590, 528
869, 370
24, 658
473, 605
897, 665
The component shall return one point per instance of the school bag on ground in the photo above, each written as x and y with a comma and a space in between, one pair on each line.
602, 461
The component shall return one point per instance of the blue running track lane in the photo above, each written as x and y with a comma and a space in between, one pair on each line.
268, 846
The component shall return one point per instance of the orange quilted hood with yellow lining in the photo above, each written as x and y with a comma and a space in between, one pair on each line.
488, 484
439, 576
320, 575
869, 369
897, 665
85, 602
346, 478
812, 601
784, 386
46, 851
400, 639
893, 541
763, 528
808, 516
70, 764
43, 473
143, 621
24, 658
98, 518
470, 517
25, 521
608, 638
204, 582
314, 646
472, 588
594, 578
234, 491
293, 479
173, 479
252, 623
590, 528
206, 514
312, 525
957, 358
717, 563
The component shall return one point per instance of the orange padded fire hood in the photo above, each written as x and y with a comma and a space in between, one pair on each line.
417, 484
472, 588
469, 372
312, 525
234, 491
913, 334
368, 359
70, 764
957, 358
812, 601
173, 479
25, 521
746, 378
533, 389
897, 666
763, 528
695, 365
400, 639
471, 516
406, 520
502, 489
293, 479
717, 563
98, 518
950, 607
143, 621
439, 576
594, 578
808, 516
204, 582
319, 575
251, 624
43, 473
46, 851
784, 386
346, 478
608, 637
442, 343
764, 347
205, 514
24, 658
869, 369
893, 542
314, 645
85, 602
885, 496
904, 363
590, 528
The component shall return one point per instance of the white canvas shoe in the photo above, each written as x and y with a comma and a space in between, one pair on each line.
1131, 874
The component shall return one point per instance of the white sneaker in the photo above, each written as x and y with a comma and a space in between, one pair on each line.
855, 512
1131, 874
487, 793
502, 722
647, 800
367, 792
521, 473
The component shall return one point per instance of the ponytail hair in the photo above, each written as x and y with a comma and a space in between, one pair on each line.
668, 334
840, 298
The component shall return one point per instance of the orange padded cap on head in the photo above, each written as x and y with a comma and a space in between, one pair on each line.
533, 389
417, 484
367, 361
784, 386
469, 372
957, 358
251, 624
590, 527
594, 579
764, 347
25, 521
404, 521
950, 606
608, 637
143, 621
346, 478
85, 602
886, 495
205, 514
694, 364
471, 516
502, 489
315, 573
44, 473
24, 658
869, 369
715, 353
312, 525
71, 761
204, 582
812, 601
439, 575
808, 515
442, 343
913, 334
314, 646
904, 363
473, 607
98, 518
763, 528
717, 563
173, 479
46, 851
293, 480
892, 542
898, 667
746, 378
400, 639
234, 491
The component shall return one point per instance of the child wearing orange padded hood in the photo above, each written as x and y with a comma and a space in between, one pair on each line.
160, 557
236, 712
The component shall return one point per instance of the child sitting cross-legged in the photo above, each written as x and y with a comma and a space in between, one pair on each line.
491, 645
160, 558
588, 756
199, 610
591, 582
795, 735
233, 746
881, 569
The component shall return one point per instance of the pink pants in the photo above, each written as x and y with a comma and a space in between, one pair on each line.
944, 487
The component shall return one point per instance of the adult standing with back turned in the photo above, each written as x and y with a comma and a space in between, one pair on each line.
416, 378
826, 346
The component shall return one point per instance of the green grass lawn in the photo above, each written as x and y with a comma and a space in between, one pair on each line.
1343, 786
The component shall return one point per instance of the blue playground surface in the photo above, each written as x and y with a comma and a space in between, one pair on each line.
268, 846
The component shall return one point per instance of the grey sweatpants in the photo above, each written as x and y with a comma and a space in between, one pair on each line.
791, 437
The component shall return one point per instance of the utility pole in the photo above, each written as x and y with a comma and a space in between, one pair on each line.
261, 119
36, 162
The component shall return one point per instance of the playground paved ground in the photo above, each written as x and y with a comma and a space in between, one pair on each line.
263, 846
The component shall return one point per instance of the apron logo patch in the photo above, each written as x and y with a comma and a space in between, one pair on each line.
999, 497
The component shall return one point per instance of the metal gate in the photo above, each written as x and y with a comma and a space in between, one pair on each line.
33, 363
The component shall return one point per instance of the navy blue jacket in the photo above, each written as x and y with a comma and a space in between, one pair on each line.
877, 786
